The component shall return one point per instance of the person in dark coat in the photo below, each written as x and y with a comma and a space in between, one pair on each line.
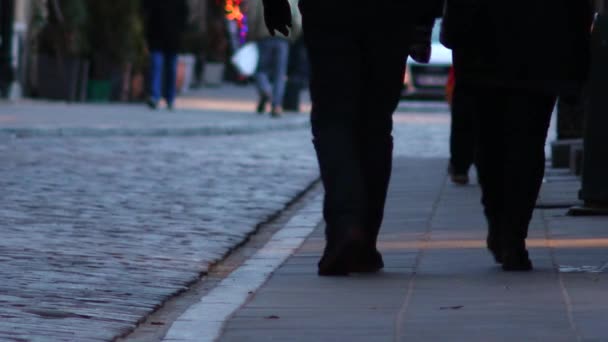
512, 59
357, 55
462, 139
165, 21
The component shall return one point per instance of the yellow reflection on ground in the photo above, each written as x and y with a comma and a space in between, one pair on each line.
7, 118
318, 244
224, 105
457, 244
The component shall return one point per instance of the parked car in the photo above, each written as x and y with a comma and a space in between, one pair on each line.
429, 80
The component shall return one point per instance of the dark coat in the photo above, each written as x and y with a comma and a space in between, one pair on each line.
533, 44
165, 21
387, 14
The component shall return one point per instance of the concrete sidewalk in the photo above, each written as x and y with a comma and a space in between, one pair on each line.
203, 112
440, 283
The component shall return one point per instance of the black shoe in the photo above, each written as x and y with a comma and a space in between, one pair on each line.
458, 177
368, 261
336, 260
153, 104
264, 98
276, 112
340, 253
516, 260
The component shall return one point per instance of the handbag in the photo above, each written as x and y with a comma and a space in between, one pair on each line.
246, 59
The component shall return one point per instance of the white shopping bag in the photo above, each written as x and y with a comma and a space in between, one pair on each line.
246, 58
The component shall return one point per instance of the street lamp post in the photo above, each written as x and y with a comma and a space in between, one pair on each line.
7, 11
594, 191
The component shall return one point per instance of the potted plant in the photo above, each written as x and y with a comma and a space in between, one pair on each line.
60, 44
116, 28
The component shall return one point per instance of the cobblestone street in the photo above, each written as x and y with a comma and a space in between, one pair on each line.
98, 228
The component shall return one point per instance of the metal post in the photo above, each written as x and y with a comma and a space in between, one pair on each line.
594, 192
7, 12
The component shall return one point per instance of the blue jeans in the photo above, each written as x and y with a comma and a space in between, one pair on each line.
272, 68
163, 72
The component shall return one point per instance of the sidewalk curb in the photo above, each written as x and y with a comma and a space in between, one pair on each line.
150, 132
204, 321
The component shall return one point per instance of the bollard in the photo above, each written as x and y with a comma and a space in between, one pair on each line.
594, 191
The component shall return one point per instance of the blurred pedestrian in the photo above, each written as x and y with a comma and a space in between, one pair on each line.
462, 139
271, 76
298, 75
165, 22
357, 55
512, 59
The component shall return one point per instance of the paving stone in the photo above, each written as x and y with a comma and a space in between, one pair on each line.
448, 288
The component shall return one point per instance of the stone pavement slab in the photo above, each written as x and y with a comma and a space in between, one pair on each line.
440, 284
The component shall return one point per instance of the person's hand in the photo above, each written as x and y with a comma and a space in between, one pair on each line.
421, 53
277, 15
420, 49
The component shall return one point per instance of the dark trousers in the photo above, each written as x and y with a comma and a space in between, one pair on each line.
510, 129
356, 81
272, 70
462, 138
163, 75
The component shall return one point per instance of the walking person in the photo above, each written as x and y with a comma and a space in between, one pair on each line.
462, 139
165, 22
357, 57
512, 59
271, 76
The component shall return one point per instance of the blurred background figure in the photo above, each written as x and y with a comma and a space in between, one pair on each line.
271, 76
298, 74
462, 138
165, 22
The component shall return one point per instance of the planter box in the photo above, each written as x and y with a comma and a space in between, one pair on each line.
64, 79
99, 91
185, 72
213, 75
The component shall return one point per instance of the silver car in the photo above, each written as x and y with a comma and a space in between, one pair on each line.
429, 80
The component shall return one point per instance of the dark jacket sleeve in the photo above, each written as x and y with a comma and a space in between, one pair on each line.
430, 10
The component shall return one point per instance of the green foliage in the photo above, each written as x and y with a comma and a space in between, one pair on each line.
115, 29
62, 25
109, 32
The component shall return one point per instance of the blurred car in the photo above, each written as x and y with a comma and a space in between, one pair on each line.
429, 80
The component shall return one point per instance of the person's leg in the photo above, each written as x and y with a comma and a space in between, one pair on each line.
281, 60
525, 131
487, 107
170, 78
156, 69
383, 71
262, 80
335, 57
462, 143
511, 128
